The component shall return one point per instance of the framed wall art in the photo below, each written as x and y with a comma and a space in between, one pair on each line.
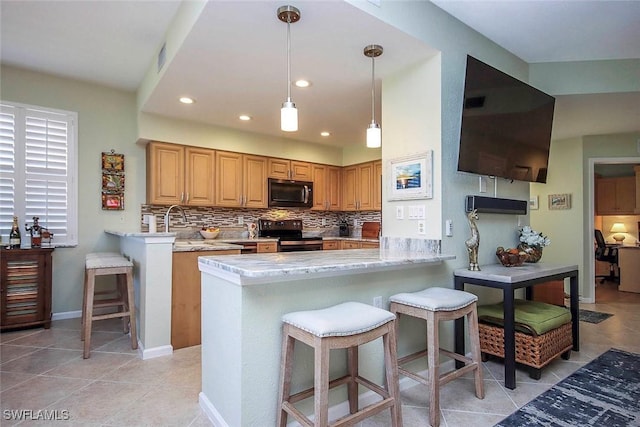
112, 181
559, 201
411, 177
533, 203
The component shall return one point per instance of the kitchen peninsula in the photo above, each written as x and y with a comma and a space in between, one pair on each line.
244, 298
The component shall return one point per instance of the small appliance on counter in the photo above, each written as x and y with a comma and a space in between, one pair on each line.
344, 228
370, 230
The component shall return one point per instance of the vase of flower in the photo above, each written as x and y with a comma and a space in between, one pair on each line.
532, 243
534, 253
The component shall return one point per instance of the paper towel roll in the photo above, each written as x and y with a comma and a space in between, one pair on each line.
151, 219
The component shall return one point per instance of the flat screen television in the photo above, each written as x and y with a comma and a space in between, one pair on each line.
506, 126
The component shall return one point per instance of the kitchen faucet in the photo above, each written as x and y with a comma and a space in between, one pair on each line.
166, 216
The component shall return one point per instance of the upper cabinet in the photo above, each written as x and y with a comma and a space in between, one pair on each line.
289, 169
181, 175
241, 180
359, 183
616, 196
377, 185
327, 187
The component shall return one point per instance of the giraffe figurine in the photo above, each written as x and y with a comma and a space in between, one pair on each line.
473, 242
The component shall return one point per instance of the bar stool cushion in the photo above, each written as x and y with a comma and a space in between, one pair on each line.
344, 319
436, 299
107, 262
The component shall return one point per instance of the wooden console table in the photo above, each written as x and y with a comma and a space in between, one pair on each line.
509, 279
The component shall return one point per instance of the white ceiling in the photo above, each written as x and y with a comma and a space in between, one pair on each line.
234, 59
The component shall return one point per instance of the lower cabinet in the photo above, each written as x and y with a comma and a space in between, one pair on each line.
358, 244
330, 245
185, 297
25, 288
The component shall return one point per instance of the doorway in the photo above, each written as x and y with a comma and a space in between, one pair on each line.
609, 168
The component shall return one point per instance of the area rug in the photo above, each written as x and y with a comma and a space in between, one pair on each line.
605, 392
593, 316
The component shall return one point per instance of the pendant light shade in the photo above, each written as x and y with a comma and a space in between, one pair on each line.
374, 133
288, 112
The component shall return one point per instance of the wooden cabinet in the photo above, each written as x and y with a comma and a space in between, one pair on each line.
25, 287
327, 187
356, 244
241, 180
330, 245
267, 247
179, 174
289, 169
185, 297
358, 187
616, 196
377, 185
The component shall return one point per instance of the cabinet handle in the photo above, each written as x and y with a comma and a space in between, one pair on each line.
182, 197
187, 197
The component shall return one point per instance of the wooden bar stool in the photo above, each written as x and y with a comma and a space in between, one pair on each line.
435, 305
103, 264
343, 326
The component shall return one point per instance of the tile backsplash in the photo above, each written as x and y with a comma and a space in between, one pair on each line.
228, 219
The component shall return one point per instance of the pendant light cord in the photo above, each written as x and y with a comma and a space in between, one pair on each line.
373, 90
288, 59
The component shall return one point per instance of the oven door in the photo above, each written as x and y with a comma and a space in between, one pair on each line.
300, 245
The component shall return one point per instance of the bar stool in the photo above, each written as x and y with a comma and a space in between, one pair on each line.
435, 305
103, 264
343, 326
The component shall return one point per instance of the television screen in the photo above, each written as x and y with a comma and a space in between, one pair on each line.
506, 126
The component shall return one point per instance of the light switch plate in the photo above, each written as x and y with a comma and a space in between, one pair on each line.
399, 212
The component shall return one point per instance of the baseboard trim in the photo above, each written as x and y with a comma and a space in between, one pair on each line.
211, 411
153, 352
67, 315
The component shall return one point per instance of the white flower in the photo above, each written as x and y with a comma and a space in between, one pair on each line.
533, 238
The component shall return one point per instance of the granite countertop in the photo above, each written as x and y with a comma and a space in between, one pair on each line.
194, 245
354, 239
282, 266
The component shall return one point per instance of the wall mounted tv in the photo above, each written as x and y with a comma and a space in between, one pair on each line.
506, 126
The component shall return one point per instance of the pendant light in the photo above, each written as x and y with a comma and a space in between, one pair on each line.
288, 112
374, 134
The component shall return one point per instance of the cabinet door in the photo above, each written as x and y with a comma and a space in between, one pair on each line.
365, 186
278, 168
369, 245
349, 188
626, 195
300, 171
25, 282
200, 176
348, 244
334, 188
330, 245
377, 185
320, 202
228, 172
255, 181
185, 300
165, 174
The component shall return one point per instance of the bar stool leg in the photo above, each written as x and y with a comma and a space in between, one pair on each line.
84, 305
321, 383
286, 363
131, 305
476, 354
88, 314
389, 343
433, 355
352, 386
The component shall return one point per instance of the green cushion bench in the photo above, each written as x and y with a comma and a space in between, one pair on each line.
543, 332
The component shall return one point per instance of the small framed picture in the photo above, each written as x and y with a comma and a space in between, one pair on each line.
112, 162
411, 177
559, 201
533, 203
113, 202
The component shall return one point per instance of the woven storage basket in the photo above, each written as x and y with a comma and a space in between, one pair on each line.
532, 351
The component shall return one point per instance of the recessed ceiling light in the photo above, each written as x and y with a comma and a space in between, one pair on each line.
244, 117
325, 133
187, 100
303, 83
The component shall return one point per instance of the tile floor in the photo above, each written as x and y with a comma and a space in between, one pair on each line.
44, 369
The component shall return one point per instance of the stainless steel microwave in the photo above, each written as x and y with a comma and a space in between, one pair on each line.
290, 194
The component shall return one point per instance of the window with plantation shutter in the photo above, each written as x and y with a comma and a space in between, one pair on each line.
38, 170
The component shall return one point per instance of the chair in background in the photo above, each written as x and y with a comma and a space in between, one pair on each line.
608, 254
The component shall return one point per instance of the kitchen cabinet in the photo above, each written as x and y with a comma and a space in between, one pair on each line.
289, 169
358, 184
616, 196
377, 185
327, 187
25, 287
180, 175
241, 180
330, 245
185, 297
267, 247
358, 244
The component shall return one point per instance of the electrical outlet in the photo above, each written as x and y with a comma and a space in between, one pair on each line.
240, 220
483, 184
421, 227
448, 228
324, 221
377, 301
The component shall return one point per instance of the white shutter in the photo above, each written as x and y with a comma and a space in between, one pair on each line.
7, 168
44, 169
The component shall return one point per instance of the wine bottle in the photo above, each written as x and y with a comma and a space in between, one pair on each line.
14, 235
